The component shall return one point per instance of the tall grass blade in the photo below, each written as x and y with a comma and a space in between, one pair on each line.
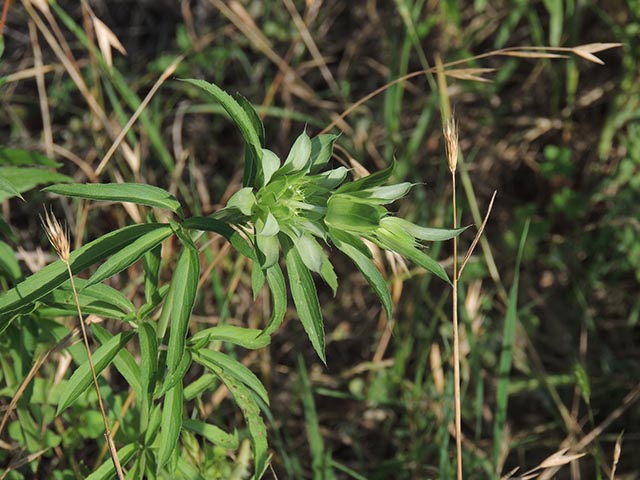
506, 355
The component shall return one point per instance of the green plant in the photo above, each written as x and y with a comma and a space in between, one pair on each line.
293, 206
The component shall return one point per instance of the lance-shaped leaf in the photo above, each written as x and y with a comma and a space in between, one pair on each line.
305, 298
245, 337
383, 195
180, 300
171, 424
422, 233
250, 410
139, 193
7, 187
238, 113
358, 252
343, 213
369, 181
123, 361
107, 471
299, 156
269, 164
321, 150
212, 433
97, 299
278, 289
27, 178
232, 368
404, 244
131, 253
213, 225
82, 379
53, 275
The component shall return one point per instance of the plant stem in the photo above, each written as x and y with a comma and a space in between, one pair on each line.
456, 338
107, 432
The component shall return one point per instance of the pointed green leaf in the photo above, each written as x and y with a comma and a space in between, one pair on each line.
353, 248
8, 187
82, 379
53, 275
310, 252
245, 337
299, 156
278, 289
148, 367
369, 181
96, 299
269, 164
269, 227
232, 368
243, 200
139, 193
238, 114
123, 361
107, 471
213, 225
345, 214
257, 279
383, 195
130, 254
251, 412
328, 274
10, 156
176, 375
171, 424
422, 233
305, 299
8, 262
179, 302
405, 246
214, 434
151, 262
26, 178
321, 151
249, 109
269, 247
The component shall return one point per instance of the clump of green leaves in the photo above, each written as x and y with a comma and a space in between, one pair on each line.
289, 210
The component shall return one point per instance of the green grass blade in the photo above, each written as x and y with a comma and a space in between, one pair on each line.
320, 464
55, 274
180, 300
170, 425
506, 354
82, 379
9, 265
305, 298
139, 193
212, 433
232, 368
130, 254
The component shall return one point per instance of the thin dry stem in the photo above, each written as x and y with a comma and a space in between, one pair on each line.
59, 239
478, 235
451, 141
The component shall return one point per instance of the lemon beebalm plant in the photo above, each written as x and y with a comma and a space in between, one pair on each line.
289, 213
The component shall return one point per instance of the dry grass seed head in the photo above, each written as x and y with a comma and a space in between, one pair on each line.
57, 234
451, 143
